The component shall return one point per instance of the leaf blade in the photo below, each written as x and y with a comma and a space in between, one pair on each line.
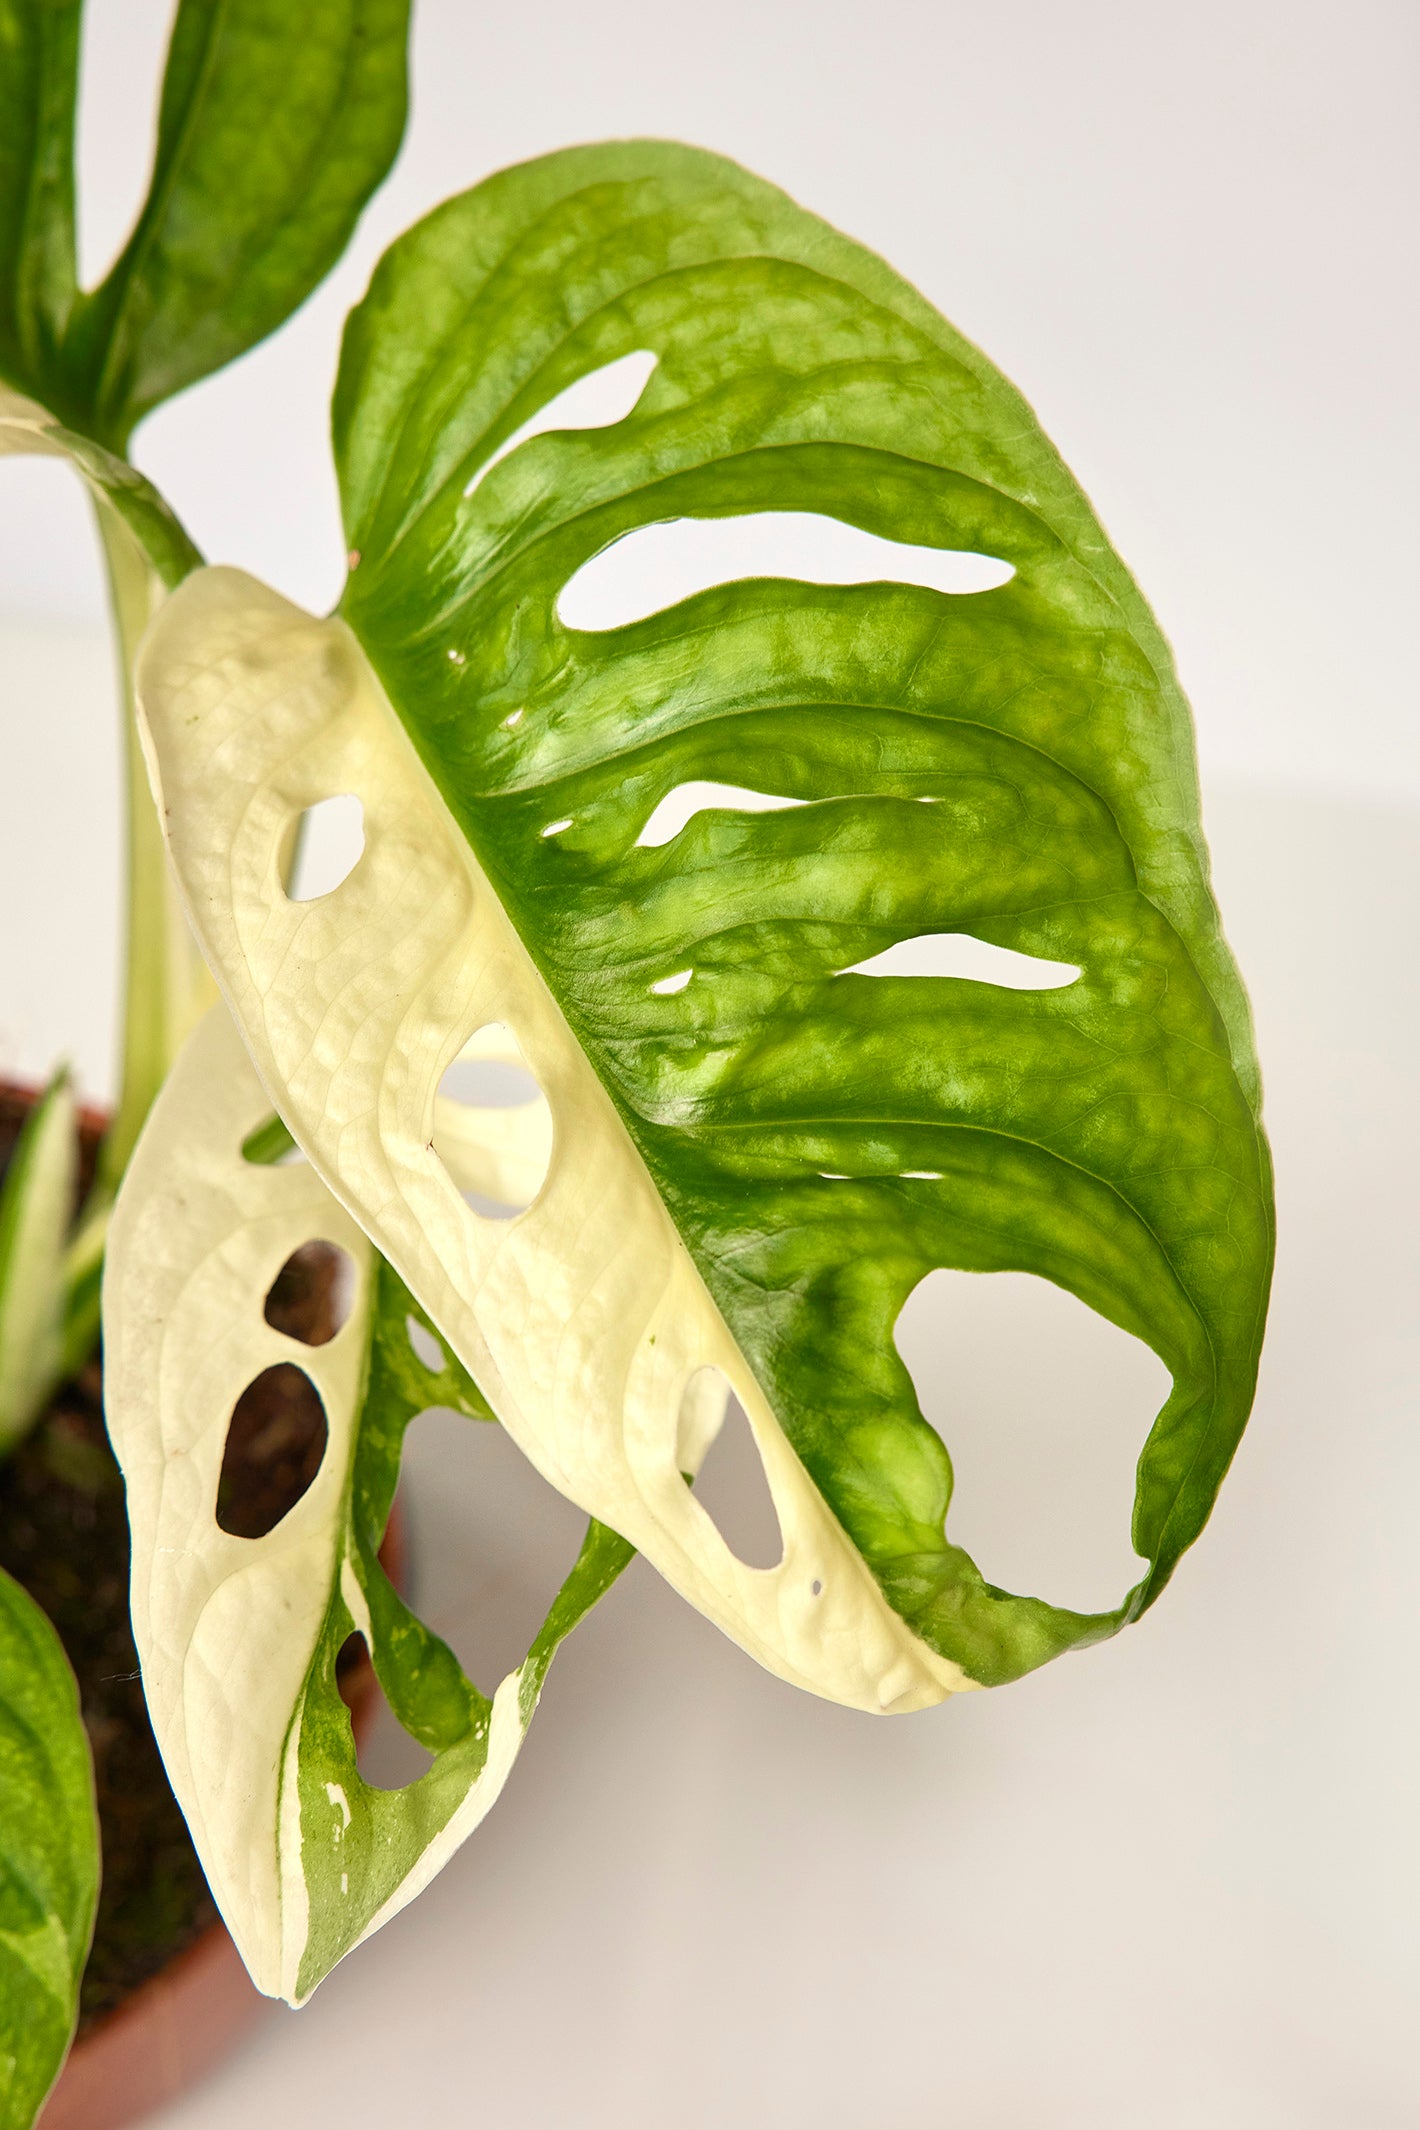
39, 58
1015, 764
49, 1855
239, 1637
274, 128
796, 372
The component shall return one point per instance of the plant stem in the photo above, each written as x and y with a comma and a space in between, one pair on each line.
166, 985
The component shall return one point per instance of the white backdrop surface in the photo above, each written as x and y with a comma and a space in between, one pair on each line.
1166, 1883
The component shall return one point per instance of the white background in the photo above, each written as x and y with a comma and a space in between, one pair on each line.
1167, 1883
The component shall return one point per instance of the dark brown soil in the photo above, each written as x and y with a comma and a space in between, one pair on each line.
64, 1536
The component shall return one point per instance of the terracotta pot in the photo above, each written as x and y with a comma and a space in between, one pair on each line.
174, 2028
170, 2033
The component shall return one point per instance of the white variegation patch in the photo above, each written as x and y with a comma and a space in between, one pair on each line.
584, 1319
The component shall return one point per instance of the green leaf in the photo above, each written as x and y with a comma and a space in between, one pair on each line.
239, 1636
49, 1856
754, 1167
36, 1207
39, 60
274, 127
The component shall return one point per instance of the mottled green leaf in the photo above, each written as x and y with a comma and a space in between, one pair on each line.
49, 1856
239, 1636
1105, 1134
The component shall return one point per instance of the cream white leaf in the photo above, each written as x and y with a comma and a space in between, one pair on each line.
230, 1629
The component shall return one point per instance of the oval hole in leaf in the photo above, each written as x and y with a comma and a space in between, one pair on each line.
311, 1296
960, 954
329, 843
493, 1126
657, 566
731, 1487
489, 1082
276, 1439
596, 401
427, 1350
496, 1541
387, 1757
687, 800
1043, 1406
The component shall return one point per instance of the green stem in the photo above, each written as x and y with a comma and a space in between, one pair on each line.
166, 984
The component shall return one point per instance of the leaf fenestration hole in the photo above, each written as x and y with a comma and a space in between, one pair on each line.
427, 1350
732, 1488
496, 1541
311, 1297
276, 1440
597, 401
386, 1755
657, 566
481, 1080
961, 954
328, 845
1043, 1406
493, 1125
680, 806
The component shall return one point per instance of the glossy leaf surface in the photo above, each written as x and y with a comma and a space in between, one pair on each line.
239, 1636
49, 1855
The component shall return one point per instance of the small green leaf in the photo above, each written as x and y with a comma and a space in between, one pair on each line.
275, 126
239, 1637
49, 1856
36, 1207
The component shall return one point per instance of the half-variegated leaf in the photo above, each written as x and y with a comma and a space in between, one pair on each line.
584, 1321
49, 1855
239, 1634
761, 1146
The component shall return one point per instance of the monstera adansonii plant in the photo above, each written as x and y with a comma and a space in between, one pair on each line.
748, 1149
